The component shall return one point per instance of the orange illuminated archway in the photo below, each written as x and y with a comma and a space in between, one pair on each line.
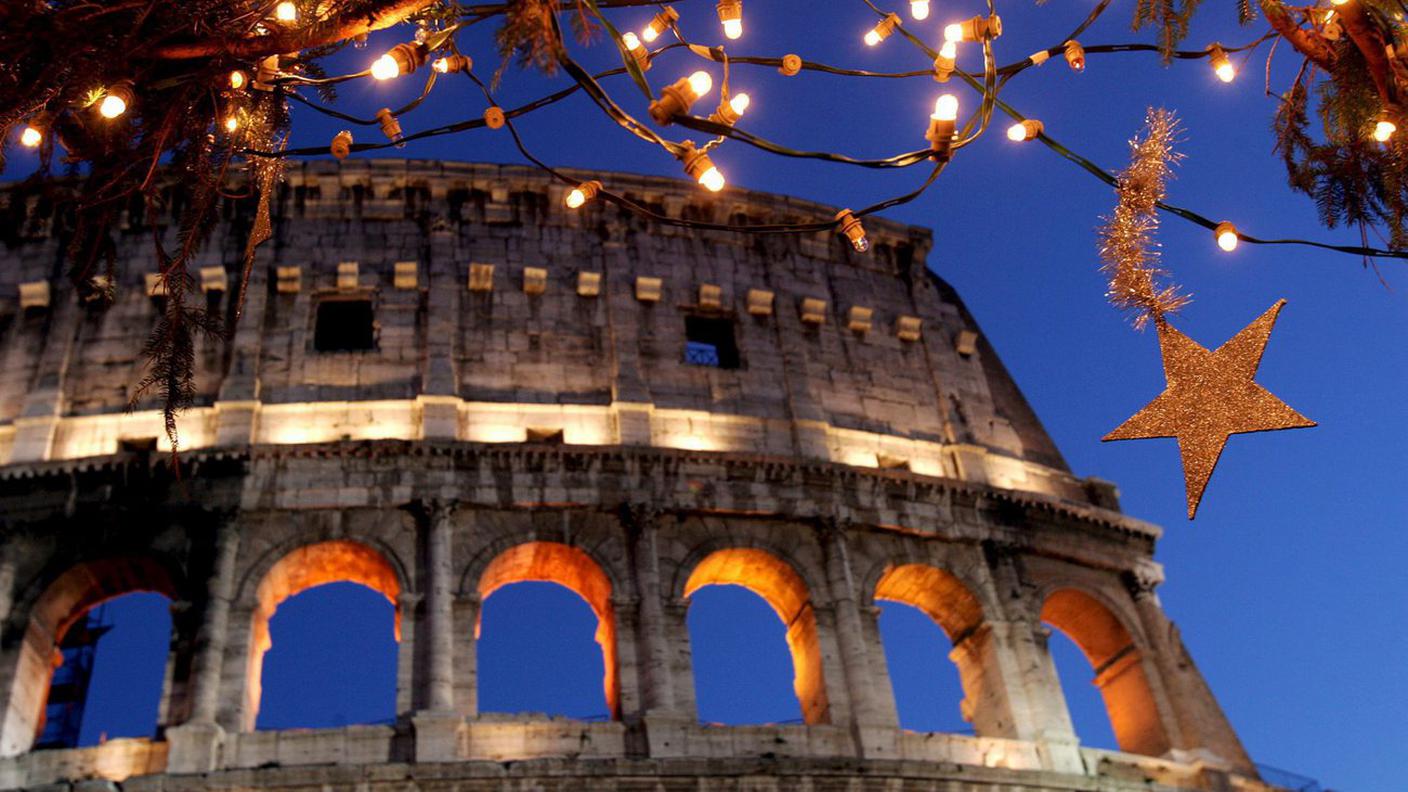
63, 602
781, 587
567, 566
1119, 668
953, 607
312, 565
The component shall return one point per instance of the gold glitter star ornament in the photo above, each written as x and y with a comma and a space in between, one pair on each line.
1210, 396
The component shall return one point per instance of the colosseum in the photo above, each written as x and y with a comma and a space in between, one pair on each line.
444, 382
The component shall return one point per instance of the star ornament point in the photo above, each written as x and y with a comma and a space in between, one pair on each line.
1210, 396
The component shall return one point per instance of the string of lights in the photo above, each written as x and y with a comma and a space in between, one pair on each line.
673, 105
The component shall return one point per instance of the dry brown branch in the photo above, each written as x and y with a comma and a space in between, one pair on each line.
328, 32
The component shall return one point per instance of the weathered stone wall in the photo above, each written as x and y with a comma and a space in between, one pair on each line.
839, 466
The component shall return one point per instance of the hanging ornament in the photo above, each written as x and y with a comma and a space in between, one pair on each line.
1210, 396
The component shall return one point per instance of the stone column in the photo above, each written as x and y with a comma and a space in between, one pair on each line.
874, 738
7, 583
1199, 731
195, 744
1019, 657
437, 723
439, 607
658, 694
466, 620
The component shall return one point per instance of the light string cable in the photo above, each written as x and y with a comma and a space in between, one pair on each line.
990, 98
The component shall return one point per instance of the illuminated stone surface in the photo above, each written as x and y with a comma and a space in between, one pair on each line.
527, 414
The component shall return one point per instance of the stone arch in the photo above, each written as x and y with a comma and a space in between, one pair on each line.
573, 569
70, 595
302, 568
1115, 653
779, 584
937, 592
951, 604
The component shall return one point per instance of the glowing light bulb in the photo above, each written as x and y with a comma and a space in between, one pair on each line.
659, 24
112, 106
238, 79
231, 124
712, 179
1226, 236
731, 15
385, 68
1025, 130
882, 29
576, 198
1221, 64
953, 32
946, 108
700, 83
919, 9
441, 65
733, 28
949, 50
1384, 129
286, 11
31, 137
740, 103
631, 40
1338, 2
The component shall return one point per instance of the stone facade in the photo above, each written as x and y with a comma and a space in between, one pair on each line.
525, 411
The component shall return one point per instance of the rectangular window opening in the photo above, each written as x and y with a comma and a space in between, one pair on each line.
709, 341
344, 326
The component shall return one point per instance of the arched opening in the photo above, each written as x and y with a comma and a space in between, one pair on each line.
538, 652
569, 568
55, 613
1119, 668
742, 664
344, 626
308, 567
919, 644
784, 590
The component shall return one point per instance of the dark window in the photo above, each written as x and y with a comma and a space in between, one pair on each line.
710, 342
344, 326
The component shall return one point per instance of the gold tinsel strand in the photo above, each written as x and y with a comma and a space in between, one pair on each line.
1128, 253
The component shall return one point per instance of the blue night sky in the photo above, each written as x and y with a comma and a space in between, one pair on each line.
1286, 588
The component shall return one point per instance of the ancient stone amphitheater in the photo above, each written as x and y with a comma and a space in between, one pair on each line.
444, 382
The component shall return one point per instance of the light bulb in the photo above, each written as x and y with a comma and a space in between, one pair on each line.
441, 65
733, 28
946, 108
712, 179
1221, 64
31, 137
1338, 2
1384, 129
700, 83
731, 15
882, 29
1025, 130
576, 198
232, 123
385, 68
286, 11
740, 103
659, 24
238, 79
1226, 236
953, 32
631, 40
112, 106
919, 9
949, 50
